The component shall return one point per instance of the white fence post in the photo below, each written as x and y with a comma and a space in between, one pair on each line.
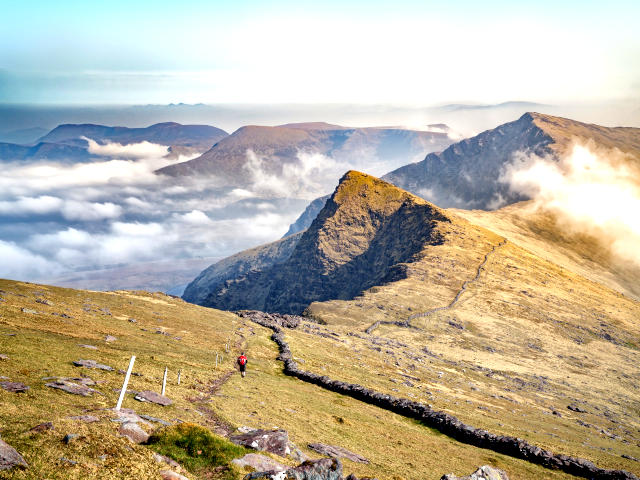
179, 373
164, 381
126, 381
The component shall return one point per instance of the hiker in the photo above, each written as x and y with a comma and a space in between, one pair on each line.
242, 363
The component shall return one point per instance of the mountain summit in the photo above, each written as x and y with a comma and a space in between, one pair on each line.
467, 174
362, 237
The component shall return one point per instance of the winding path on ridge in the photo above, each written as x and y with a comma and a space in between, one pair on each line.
442, 421
407, 322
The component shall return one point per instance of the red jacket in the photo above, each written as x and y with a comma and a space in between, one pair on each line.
242, 360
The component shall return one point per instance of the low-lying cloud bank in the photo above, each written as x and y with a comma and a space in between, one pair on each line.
591, 190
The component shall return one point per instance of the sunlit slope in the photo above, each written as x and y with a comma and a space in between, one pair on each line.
542, 232
44, 344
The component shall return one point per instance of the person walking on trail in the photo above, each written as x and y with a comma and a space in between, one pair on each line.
242, 363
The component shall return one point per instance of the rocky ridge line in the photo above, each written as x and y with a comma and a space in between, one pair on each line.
441, 421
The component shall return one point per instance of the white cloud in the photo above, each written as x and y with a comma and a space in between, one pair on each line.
591, 191
19, 263
31, 206
132, 151
196, 217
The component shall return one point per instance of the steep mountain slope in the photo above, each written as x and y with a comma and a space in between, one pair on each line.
168, 133
361, 238
238, 265
280, 145
307, 217
467, 174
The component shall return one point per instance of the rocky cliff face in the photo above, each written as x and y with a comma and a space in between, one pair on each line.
467, 174
365, 234
307, 217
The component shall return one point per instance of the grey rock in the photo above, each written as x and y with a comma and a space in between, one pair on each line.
323, 469
153, 397
171, 475
15, 387
44, 301
110, 338
337, 452
126, 415
156, 420
92, 364
4, 357
91, 347
10, 458
70, 437
169, 461
71, 387
133, 432
85, 418
273, 441
483, 473
30, 311
575, 408
260, 463
42, 427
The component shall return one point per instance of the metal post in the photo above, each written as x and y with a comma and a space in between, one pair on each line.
126, 381
179, 373
164, 381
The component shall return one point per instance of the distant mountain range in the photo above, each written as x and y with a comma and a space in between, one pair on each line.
281, 145
337, 236
68, 142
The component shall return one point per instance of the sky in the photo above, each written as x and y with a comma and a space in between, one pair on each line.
368, 52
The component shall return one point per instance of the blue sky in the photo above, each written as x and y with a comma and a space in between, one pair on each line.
404, 52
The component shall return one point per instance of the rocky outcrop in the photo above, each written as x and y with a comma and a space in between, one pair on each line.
337, 452
15, 387
483, 473
10, 458
324, 469
72, 387
153, 397
285, 321
273, 441
364, 236
92, 364
259, 463
446, 423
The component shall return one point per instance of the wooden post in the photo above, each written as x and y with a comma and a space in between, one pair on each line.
126, 381
179, 373
164, 381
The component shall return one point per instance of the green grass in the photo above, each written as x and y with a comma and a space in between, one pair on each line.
198, 450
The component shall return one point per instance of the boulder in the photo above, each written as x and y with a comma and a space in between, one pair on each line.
10, 458
15, 387
153, 397
337, 452
92, 364
71, 387
70, 437
126, 415
260, 463
485, 472
323, 469
133, 432
110, 338
273, 441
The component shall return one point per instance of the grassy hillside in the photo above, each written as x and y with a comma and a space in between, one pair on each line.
44, 344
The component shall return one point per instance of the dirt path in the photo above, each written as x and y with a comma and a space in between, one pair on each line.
407, 322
